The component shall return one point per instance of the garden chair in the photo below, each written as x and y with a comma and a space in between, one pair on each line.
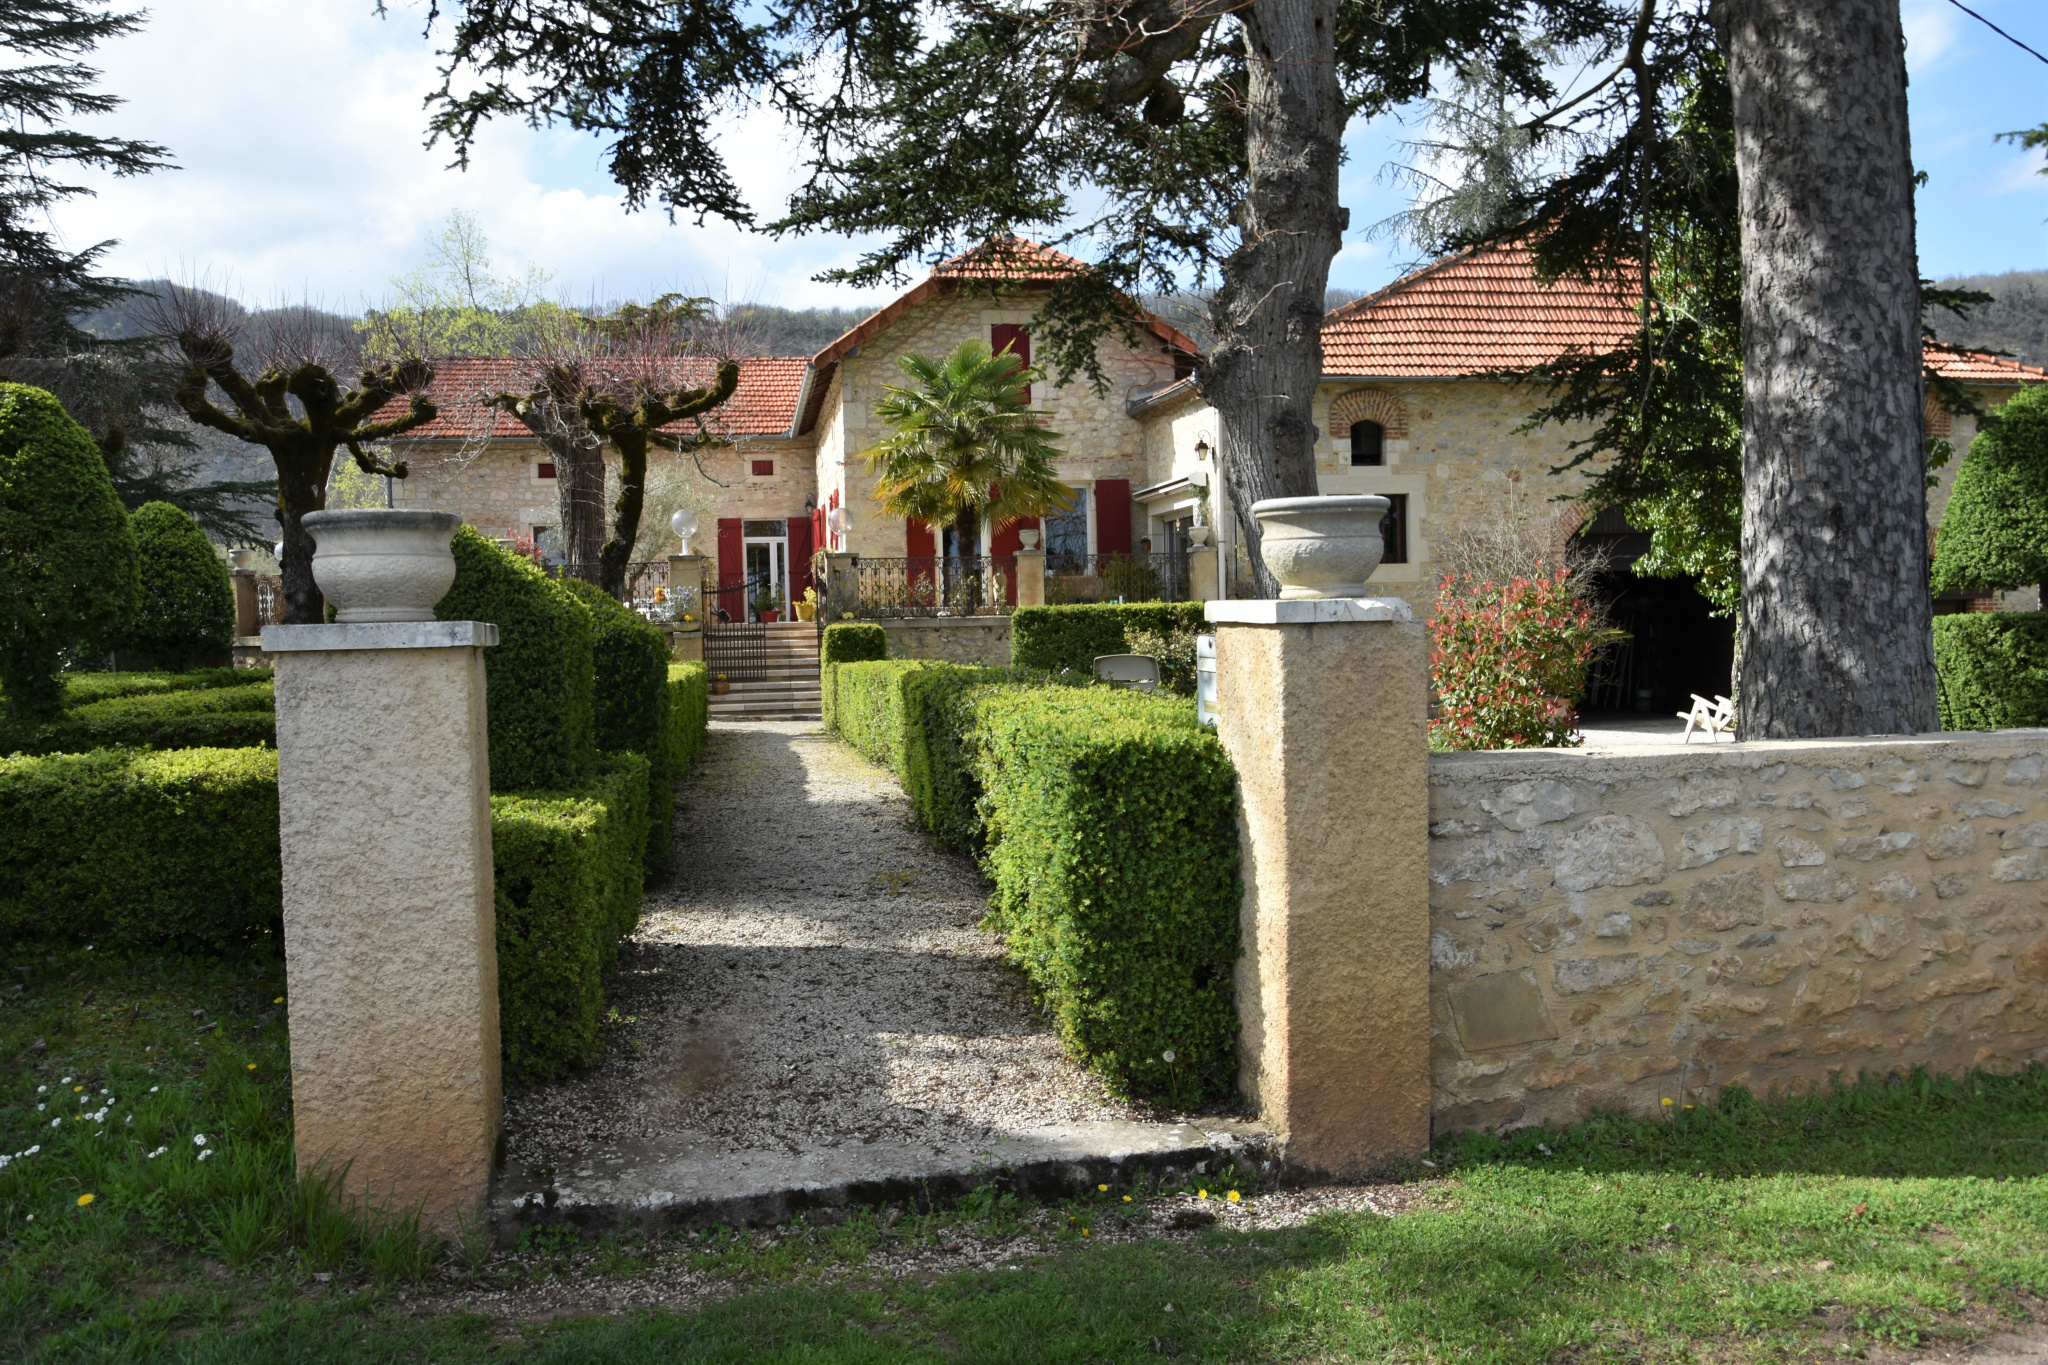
1716, 717
1137, 671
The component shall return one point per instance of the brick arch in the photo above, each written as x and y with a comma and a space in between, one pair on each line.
1368, 405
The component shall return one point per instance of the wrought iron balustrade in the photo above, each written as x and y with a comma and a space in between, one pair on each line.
1157, 577
925, 585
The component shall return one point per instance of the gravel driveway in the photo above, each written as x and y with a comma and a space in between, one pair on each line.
808, 1002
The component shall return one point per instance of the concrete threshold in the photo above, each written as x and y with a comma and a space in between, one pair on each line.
688, 1184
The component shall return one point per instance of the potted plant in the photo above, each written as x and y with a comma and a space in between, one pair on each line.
719, 686
767, 605
807, 610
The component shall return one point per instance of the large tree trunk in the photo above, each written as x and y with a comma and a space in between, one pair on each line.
1268, 315
1836, 616
579, 483
301, 488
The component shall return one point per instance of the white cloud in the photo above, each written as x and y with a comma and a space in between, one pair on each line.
1931, 32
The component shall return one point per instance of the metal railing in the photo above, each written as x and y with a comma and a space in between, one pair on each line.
735, 647
642, 579
927, 585
269, 599
1156, 577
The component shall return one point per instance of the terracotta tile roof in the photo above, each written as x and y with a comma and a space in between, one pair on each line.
1991, 371
1476, 312
1014, 259
764, 403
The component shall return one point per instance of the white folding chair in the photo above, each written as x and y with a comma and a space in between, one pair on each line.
1716, 717
1137, 671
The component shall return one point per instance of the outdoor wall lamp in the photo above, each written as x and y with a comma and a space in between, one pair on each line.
684, 524
1202, 446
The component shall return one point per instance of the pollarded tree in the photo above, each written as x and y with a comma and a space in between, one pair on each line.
296, 408
185, 609
634, 413
68, 563
1995, 533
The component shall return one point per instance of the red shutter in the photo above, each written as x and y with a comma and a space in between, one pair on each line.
732, 559
800, 542
1008, 335
1113, 516
918, 542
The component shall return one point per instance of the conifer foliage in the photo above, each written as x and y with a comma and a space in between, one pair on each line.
1995, 533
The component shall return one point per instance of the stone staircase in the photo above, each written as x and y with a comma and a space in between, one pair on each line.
790, 691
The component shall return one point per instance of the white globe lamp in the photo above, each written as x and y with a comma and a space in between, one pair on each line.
684, 524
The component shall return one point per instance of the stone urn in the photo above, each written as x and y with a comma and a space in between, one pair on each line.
242, 559
1321, 547
1027, 538
1198, 536
379, 564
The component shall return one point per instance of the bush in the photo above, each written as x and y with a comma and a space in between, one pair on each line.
633, 706
1113, 846
689, 688
80, 688
869, 710
1508, 662
847, 642
1994, 533
567, 889
68, 567
200, 718
540, 672
185, 606
1053, 638
939, 770
127, 849
1993, 670
1175, 652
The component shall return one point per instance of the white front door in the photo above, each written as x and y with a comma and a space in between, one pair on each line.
766, 546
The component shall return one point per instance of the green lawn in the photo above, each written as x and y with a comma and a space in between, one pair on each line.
1901, 1213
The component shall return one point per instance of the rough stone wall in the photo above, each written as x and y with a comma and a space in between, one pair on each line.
1617, 928
964, 640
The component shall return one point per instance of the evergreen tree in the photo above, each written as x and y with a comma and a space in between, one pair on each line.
1995, 533
184, 614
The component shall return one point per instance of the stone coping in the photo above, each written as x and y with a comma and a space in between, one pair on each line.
1312, 611
1592, 762
380, 635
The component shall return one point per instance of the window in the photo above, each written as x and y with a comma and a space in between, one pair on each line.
1006, 336
1394, 529
1368, 444
764, 469
1066, 533
545, 469
764, 529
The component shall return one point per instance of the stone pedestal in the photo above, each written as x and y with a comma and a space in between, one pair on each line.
1030, 578
248, 616
1322, 705
390, 951
687, 571
1202, 581
842, 588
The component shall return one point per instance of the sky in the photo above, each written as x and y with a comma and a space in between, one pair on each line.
299, 128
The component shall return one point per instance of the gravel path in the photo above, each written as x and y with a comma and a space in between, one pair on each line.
809, 980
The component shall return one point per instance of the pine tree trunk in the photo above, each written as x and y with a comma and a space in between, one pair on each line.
1268, 314
1836, 615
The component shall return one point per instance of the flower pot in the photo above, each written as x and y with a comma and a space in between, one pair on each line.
1321, 547
806, 612
770, 616
719, 687
378, 564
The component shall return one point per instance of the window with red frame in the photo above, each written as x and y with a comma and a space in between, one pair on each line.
545, 469
764, 469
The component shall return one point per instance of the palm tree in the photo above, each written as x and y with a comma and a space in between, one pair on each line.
964, 445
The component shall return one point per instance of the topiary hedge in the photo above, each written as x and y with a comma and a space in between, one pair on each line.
1993, 669
124, 848
1113, 847
689, 710
1073, 637
540, 673
80, 688
185, 607
568, 883
847, 642
869, 711
634, 709
939, 771
200, 718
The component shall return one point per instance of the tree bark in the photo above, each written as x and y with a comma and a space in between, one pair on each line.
1836, 615
1268, 314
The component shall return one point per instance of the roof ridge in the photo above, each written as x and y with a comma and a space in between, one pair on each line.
1366, 300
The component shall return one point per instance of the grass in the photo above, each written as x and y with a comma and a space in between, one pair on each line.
1897, 1212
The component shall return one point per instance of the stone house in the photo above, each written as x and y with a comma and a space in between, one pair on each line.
1419, 403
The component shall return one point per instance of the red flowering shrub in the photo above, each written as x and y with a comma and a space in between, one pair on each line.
1508, 661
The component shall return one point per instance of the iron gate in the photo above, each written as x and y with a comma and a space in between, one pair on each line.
734, 645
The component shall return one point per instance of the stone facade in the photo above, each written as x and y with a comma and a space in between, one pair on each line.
956, 640
1616, 929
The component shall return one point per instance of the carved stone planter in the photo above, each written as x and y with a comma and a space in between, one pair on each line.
1322, 547
378, 564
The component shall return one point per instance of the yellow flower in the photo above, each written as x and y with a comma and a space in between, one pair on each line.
1102, 1189
76, 1088
252, 1066
278, 1001
1084, 1232
1127, 1199
1667, 1104
85, 1199
1233, 1196
1201, 1194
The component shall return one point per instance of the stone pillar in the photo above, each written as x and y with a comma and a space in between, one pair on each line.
242, 573
1030, 578
391, 963
1202, 583
685, 638
842, 587
1323, 707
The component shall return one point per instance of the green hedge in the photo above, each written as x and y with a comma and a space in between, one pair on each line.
539, 690
939, 770
1993, 668
185, 609
80, 688
206, 718
868, 711
569, 877
1113, 846
633, 707
847, 642
1053, 638
689, 688
124, 848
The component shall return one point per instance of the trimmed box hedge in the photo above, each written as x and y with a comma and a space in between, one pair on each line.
1113, 847
689, 687
81, 688
1055, 638
869, 710
119, 847
846, 642
1993, 669
568, 883
633, 708
939, 771
207, 718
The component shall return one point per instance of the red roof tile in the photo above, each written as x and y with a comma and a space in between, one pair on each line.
763, 404
1482, 312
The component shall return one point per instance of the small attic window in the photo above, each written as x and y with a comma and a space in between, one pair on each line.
545, 469
1368, 443
764, 469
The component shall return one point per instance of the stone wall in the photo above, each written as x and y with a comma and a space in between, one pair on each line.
957, 640
1617, 928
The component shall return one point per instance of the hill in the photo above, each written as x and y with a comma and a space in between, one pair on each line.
2016, 321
